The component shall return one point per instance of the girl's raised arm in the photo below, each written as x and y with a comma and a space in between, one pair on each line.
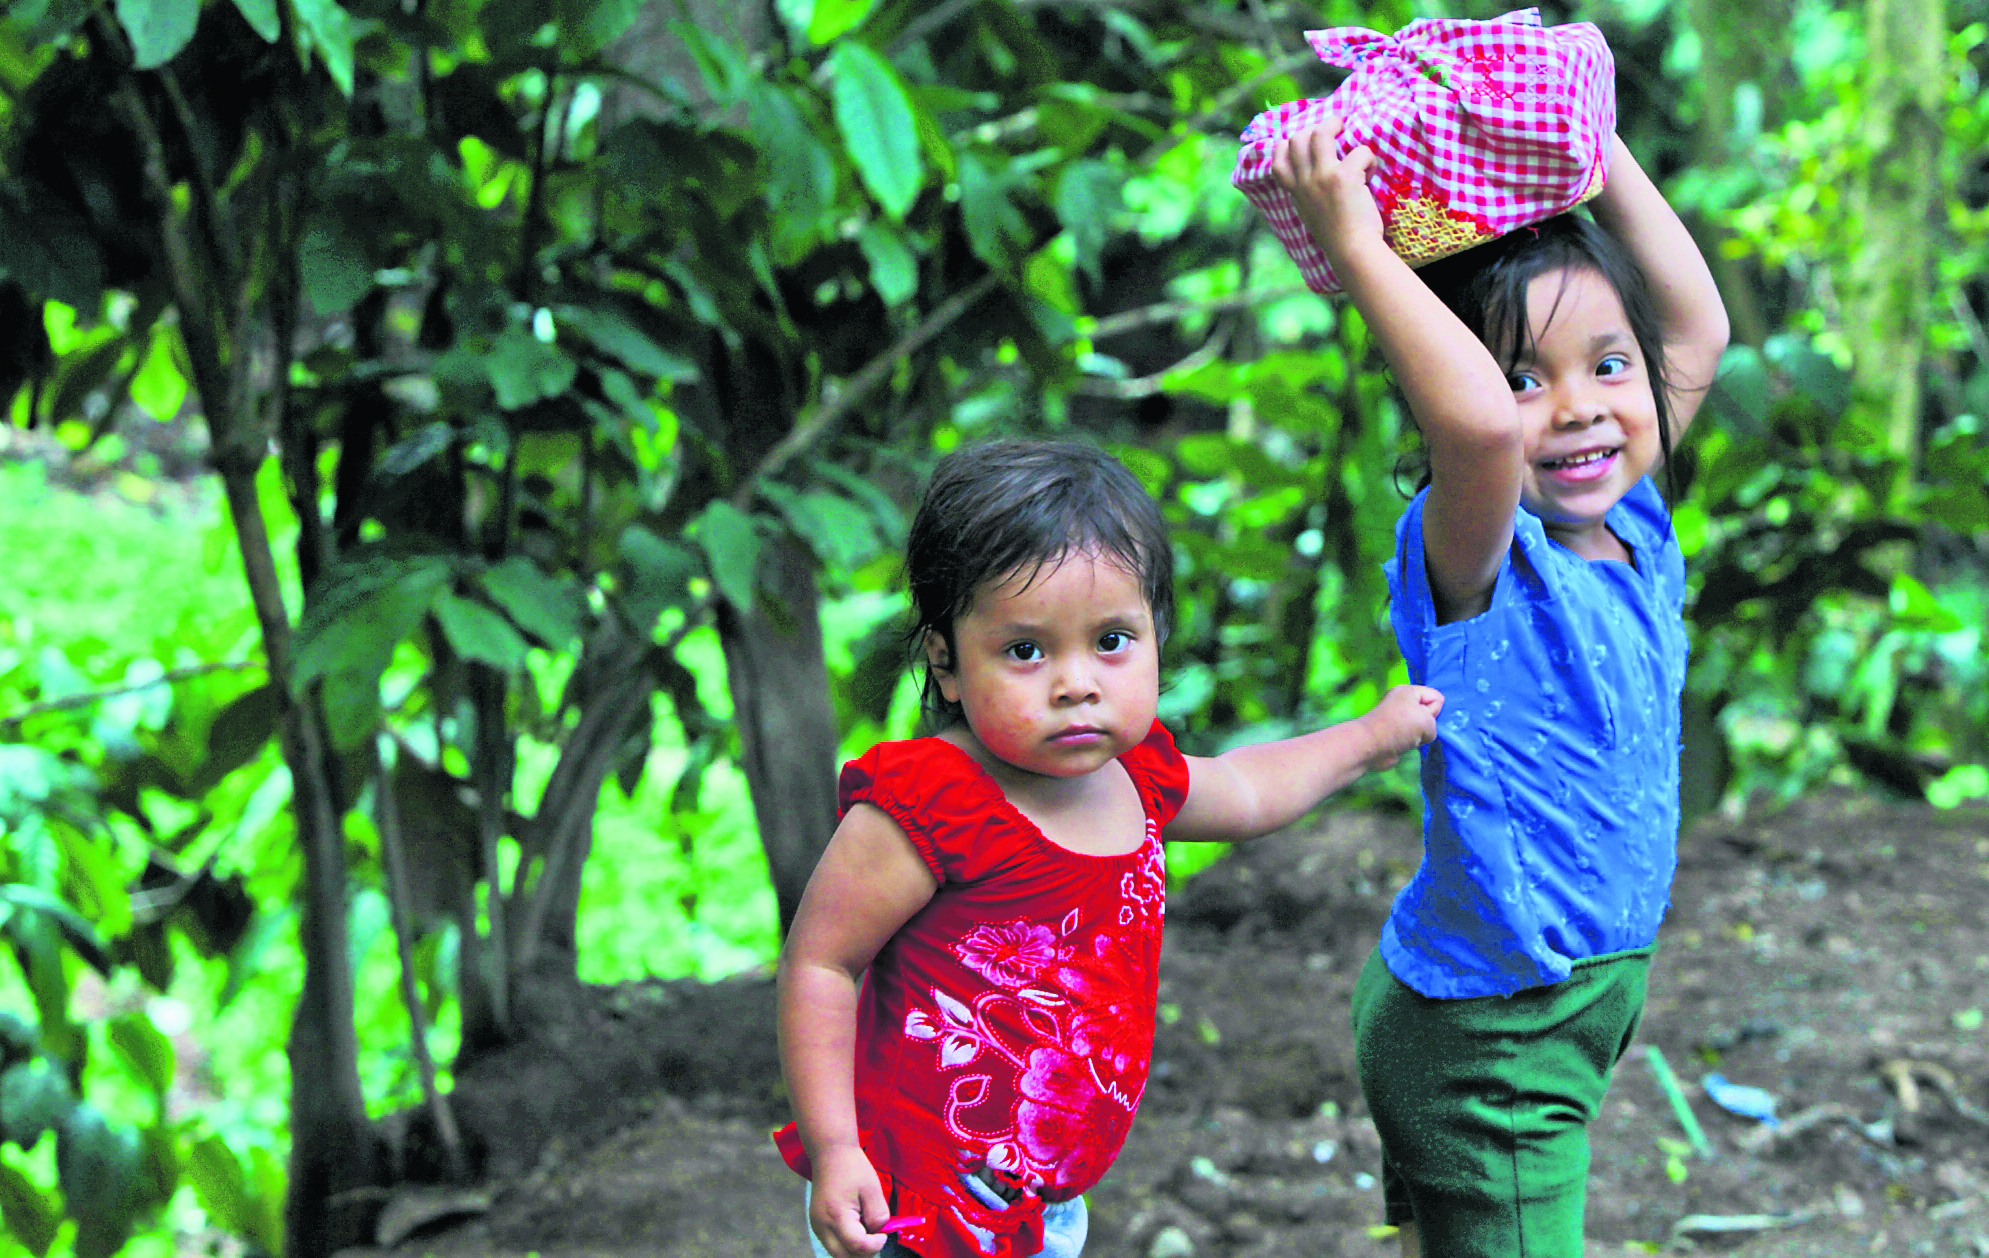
1458, 393
868, 883
1689, 309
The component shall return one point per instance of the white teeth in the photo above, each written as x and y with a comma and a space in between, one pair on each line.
1578, 460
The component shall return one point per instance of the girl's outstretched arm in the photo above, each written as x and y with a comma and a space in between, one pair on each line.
1689, 309
868, 883
1255, 790
1458, 393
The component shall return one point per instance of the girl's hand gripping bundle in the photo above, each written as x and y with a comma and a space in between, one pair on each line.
1478, 128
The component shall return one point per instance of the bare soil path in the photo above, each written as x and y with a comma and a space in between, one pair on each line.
1825, 954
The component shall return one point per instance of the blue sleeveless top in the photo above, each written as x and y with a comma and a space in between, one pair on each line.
1550, 820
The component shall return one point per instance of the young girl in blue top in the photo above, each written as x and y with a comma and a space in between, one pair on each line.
1537, 583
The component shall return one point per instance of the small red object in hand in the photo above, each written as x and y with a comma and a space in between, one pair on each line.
900, 1223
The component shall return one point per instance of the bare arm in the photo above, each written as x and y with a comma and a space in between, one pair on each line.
869, 883
1255, 790
1690, 313
1457, 391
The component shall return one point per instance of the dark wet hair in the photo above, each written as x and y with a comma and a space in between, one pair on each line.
1486, 288
1012, 506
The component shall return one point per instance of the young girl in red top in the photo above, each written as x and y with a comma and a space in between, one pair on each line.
967, 992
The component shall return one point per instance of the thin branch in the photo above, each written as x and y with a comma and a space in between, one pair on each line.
1169, 311
1147, 386
393, 857
859, 386
89, 697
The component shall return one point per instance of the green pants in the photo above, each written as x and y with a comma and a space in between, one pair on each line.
1483, 1105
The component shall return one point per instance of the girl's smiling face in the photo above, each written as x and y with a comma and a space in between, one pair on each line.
1587, 415
1057, 669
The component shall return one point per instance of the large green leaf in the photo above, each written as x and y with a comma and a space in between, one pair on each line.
995, 228
545, 606
894, 271
479, 633
877, 126
45, 246
801, 183
660, 575
158, 29
332, 32
262, 18
613, 333
148, 1052
29, 1217
831, 18
368, 605
74, 930
1087, 196
219, 1184
99, 1168
160, 387
841, 534
587, 26
524, 369
238, 735
333, 268
731, 549
34, 1097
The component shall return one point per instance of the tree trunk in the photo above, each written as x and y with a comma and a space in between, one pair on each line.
1737, 45
332, 1149
787, 726
1887, 284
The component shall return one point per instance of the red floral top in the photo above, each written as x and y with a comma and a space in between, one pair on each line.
1008, 1025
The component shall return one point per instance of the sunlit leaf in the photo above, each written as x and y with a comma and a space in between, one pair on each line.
831, 18
160, 388
877, 127
158, 29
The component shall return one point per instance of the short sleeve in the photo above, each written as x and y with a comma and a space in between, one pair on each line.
1160, 772
885, 777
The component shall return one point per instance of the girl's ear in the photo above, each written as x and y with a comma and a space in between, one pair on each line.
939, 660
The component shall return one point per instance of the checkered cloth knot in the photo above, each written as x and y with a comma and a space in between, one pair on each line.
1478, 128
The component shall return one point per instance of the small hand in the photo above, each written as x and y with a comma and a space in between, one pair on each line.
846, 1203
1331, 192
1404, 720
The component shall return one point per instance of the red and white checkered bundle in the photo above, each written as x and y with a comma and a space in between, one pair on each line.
1478, 128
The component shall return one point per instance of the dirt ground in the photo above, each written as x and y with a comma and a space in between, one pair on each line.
1835, 954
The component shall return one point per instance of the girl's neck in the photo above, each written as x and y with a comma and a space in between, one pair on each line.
1093, 814
1591, 541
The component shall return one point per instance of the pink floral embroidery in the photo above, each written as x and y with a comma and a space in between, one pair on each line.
1065, 1025
1010, 954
